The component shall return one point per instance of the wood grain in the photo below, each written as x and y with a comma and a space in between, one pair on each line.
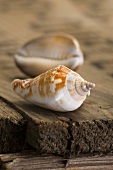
31, 160
88, 129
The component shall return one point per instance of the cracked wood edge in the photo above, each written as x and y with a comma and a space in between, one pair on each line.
94, 102
12, 127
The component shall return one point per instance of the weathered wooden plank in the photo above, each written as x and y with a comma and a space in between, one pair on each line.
12, 128
89, 129
44, 130
32, 160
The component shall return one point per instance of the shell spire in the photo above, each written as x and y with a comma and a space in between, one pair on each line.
86, 86
59, 89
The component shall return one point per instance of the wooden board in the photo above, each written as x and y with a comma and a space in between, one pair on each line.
28, 160
88, 129
12, 128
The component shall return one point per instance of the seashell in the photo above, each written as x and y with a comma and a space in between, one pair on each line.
59, 89
49, 51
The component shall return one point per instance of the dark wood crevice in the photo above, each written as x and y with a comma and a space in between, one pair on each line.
93, 137
12, 127
83, 137
65, 136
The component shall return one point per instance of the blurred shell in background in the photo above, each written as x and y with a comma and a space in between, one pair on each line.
49, 51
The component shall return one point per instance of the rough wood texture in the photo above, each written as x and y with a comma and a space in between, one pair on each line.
12, 128
88, 129
31, 160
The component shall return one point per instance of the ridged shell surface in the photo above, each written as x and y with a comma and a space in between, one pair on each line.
57, 89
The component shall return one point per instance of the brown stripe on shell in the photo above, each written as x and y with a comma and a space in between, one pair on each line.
61, 101
72, 91
23, 84
63, 69
58, 73
46, 84
16, 83
29, 93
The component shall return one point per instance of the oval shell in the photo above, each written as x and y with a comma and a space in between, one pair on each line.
49, 51
59, 89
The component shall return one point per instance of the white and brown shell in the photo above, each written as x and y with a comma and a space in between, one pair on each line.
59, 89
49, 51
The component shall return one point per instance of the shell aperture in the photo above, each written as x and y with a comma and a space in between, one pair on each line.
52, 50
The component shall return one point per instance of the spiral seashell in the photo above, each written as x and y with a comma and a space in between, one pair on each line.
59, 89
49, 51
